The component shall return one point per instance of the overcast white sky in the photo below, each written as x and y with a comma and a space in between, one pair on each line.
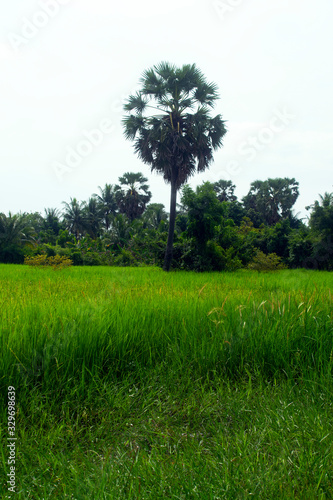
67, 65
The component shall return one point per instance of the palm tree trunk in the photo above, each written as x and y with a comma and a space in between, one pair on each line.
172, 220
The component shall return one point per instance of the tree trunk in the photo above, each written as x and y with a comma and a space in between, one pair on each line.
169, 247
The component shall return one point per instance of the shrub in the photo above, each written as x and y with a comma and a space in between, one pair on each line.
125, 258
56, 261
92, 259
269, 262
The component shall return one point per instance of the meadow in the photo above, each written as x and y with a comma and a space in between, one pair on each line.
132, 383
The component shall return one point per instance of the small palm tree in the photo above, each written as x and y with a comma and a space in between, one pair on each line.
107, 204
92, 216
154, 215
74, 217
15, 229
225, 190
180, 137
132, 195
52, 220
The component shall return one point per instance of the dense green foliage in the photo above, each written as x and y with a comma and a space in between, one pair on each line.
133, 383
213, 230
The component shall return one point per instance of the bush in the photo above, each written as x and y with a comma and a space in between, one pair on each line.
56, 262
125, 258
269, 262
92, 259
12, 254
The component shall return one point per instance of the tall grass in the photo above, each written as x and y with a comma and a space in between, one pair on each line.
61, 327
201, 378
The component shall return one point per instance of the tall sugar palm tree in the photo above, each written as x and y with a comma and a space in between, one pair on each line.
169, 121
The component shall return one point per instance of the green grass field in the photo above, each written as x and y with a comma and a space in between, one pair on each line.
136, 384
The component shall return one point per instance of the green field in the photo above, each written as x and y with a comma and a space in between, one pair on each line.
132, 383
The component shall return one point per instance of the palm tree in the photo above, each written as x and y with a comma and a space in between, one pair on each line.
154, 215
179, 139
107, 203
132, 195
321, 218
52, 220
74, 217
92, 216
225, 190
15, 229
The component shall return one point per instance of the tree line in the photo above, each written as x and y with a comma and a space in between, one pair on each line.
214, 231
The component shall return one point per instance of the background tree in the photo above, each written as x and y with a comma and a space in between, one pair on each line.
155, 214
107, 204
272, 199
52, 220
92, 217
204, 212
215, 237
15, 232
321, 218
225, 190
51, 226
235, 211
74, 217
321, 225
181, 136
132, 195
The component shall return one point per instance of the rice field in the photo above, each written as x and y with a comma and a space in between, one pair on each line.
136, 384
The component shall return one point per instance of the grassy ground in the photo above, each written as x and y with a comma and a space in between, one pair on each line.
136, 384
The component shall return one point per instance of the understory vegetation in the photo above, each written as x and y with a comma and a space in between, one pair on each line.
213, 230
132, 383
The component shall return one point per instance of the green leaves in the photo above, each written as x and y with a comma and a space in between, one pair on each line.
136, 102
272, 199
132, 195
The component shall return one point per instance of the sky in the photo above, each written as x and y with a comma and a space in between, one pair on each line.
68, 65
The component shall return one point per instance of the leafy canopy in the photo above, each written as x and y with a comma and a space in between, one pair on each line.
170, 124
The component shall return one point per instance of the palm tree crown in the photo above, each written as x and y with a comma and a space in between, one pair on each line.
179, 137
74, 217
107, 203
132, 195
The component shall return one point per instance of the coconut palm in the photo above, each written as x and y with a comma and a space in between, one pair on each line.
15, 229
74, 217
132, 195
107, 204
52, 220
92, 217
321, 219
180, 136
154, 215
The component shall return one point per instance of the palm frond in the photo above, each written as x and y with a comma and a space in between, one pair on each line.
136, 102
